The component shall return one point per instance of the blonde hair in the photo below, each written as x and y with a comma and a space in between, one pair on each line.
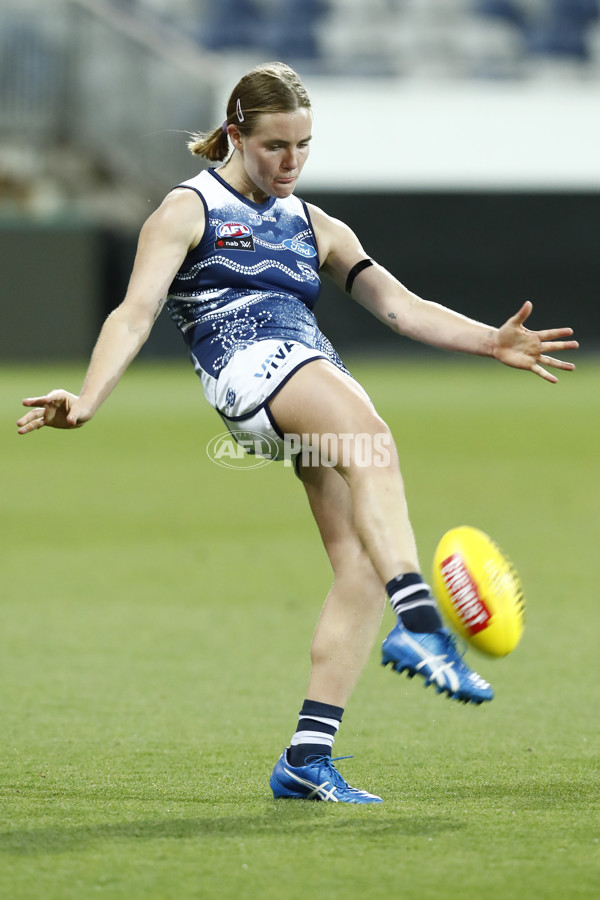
268, 88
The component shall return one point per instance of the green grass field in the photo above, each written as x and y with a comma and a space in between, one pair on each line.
156, 614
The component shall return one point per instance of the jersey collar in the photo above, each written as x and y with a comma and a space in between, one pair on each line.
260, 207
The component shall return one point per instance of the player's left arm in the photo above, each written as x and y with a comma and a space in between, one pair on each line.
431, 323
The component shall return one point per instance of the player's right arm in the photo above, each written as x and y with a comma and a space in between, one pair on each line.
165, 239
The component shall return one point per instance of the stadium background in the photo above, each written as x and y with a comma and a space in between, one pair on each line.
458, 137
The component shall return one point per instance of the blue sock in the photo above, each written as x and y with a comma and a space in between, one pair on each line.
413, 603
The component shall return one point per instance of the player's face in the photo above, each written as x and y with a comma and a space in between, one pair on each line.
275, 153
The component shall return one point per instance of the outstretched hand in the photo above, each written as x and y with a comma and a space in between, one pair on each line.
521, 348
58, 409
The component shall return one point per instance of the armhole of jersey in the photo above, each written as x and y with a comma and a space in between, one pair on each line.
311, 226
189, 187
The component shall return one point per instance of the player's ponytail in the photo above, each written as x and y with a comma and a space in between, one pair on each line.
213, 146
268, 88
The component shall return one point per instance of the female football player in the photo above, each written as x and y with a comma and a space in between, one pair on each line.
236, 257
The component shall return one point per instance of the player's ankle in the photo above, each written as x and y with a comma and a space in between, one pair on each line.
413, 603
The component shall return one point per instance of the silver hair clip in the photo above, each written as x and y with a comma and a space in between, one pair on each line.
238, 109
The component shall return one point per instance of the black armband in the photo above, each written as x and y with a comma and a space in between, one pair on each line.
354, 271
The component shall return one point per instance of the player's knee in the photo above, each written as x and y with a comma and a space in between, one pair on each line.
369, 446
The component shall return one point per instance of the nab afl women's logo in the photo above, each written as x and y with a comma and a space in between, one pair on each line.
234, 236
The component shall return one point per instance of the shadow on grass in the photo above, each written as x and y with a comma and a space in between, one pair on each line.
283, 818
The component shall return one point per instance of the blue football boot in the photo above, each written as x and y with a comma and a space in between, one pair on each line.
434, 656
319, 780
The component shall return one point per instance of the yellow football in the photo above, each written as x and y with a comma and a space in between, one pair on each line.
478, 590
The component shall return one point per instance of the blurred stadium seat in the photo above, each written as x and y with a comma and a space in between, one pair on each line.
230, 25
394, 38
272, 28
563, 31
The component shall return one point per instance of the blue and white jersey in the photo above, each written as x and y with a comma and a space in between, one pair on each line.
253, 277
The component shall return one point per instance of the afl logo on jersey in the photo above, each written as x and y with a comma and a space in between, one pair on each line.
234, 236
233, 229
299, 247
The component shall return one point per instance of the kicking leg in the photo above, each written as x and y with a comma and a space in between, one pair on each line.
323, 402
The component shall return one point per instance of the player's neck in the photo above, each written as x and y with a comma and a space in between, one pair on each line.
235, 175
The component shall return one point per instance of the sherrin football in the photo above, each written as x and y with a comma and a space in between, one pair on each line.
478, 590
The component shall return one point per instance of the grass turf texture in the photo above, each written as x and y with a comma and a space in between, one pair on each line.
156, 614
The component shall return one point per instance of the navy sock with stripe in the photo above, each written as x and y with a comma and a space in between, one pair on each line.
317, 726
413, 603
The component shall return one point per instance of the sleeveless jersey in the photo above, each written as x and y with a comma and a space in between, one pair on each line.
254, 276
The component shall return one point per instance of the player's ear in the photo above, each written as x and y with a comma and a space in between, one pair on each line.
235, 136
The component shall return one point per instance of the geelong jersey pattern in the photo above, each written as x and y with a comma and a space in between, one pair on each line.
254, 276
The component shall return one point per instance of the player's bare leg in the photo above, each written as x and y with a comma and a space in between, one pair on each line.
350, 619
341, 645
320, 399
